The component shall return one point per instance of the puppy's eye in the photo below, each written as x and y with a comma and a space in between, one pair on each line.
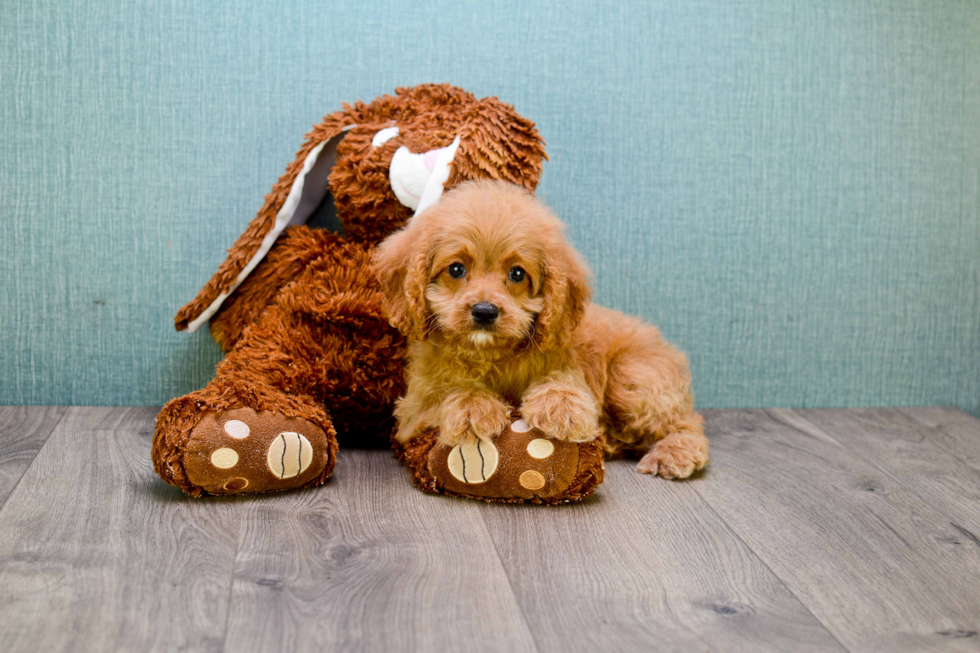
456, 270
517, 274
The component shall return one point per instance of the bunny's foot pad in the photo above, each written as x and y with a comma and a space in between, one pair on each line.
241, 451
521, 465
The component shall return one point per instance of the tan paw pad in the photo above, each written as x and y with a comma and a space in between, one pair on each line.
236, 484
540, 448
224, 458
289, 455
532, 480
473, 462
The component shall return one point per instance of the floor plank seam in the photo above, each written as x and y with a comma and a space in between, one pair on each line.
47, 438
888, 473
940, 510
510, 583
231, 586
769, 412
738, 536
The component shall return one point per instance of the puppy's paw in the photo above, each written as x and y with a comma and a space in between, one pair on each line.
562, 411
677, 456
472, 414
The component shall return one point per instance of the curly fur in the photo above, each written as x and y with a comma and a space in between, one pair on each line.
577, 370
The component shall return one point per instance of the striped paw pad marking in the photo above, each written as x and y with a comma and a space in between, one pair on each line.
520, 426
237, 429
224, 458
532, 480
289, 455
473, 462
540, 448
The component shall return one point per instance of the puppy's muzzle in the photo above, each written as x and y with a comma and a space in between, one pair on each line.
484, 313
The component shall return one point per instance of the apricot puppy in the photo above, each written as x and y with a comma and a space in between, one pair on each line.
496, 305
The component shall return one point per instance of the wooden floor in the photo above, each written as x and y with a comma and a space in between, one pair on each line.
813, 530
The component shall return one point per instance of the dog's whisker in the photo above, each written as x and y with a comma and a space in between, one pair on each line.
532, 340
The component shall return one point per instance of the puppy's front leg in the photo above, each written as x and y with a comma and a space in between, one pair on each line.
563, 406
472, 413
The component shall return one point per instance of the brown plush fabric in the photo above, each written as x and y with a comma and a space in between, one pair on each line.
296, 249
309, 351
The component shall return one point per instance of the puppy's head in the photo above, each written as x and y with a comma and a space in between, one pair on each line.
488, 266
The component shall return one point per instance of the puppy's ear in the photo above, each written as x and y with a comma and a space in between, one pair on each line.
401, 264
566, 294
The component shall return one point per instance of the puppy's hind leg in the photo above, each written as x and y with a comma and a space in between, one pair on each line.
650, 408
679, 453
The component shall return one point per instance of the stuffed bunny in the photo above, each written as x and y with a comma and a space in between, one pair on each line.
298, 311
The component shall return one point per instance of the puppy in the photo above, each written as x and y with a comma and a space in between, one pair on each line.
495, 303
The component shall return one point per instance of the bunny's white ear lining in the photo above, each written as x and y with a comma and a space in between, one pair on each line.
297, 209
440, 175
384, 136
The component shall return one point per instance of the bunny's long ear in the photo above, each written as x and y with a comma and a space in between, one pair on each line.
292, 201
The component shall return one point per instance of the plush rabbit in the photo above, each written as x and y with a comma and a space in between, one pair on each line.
310, 354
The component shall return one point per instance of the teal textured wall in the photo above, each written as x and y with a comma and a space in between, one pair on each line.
788, 188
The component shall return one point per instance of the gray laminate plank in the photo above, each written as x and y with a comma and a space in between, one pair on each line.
645, 565
369, 563
951, 429
23, 431
97, 554
940, 465
873, 566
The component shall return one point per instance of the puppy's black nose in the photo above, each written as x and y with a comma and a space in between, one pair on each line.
484, 313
